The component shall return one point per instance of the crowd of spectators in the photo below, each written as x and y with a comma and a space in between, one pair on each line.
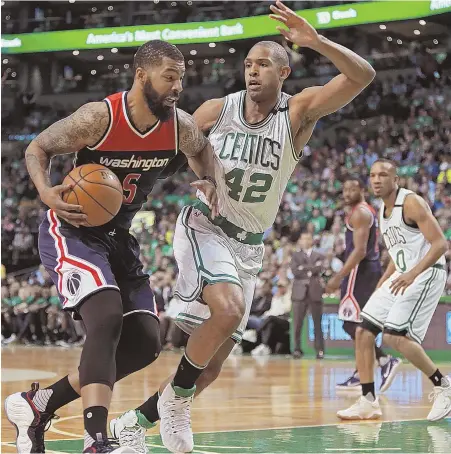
406, 119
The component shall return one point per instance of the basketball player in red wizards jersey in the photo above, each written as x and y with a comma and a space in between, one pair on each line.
97, 270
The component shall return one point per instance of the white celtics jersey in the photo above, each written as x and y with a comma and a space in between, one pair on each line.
253, 163
406, 244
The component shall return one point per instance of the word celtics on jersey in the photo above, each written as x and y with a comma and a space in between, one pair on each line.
253, 162
405, 243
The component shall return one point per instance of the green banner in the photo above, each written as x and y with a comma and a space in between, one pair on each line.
216, 31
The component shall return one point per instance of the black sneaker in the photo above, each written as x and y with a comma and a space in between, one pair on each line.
29, 422
109, 446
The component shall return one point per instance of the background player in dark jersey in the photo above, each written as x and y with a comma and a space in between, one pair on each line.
136, 134
360, 274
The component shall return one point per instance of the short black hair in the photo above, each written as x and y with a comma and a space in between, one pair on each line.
278, 52
355, 178
387, 161
153, 52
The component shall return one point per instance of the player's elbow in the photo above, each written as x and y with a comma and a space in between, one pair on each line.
361, 252
370, 74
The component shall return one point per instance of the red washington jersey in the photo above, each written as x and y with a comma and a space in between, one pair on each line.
136, 158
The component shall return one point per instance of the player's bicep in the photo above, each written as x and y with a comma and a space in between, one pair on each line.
191, 139
361, 224
320, 101
418, 211
85, 127
208, 113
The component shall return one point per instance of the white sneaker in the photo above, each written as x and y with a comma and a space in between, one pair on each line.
129, 432
261, 350
441, 396
174, 408
362, 409
237, 350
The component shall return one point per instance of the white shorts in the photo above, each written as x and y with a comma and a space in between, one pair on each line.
206, 255
412, 312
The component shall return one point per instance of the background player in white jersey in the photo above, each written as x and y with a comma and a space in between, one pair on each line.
257, 136
407, 295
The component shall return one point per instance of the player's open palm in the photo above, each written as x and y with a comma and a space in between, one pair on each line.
299, 31
73, 214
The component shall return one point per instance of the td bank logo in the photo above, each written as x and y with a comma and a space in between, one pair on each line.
439, 4
323, 17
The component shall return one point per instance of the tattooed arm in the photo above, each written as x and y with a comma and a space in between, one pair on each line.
83, 128
197, 149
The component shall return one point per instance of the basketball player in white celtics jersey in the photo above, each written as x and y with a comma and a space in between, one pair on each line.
257, 136
407, 294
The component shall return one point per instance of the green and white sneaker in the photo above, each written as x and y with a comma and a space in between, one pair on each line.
130, 430
174, 408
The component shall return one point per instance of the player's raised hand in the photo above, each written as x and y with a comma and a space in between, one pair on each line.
209, 190
401, 283
73, 214
299, 31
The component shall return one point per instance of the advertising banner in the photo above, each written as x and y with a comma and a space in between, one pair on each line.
217, 31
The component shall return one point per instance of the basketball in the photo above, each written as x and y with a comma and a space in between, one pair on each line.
97, 190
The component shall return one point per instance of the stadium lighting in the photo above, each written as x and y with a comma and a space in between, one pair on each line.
14, 74
100, 57
8, 17
110, 8
416, 32
221, 60
193, 52
126, 66
232, 50
190, 62
399, 41
156, 1
212, 44
206, 61
189, 3
422, 22
3, 3
173, 4
5, 61
110, 66
383, 27
114, 50
93, 9
116, 71
71, 1
93, 72
435, 41
389, 38
76, 52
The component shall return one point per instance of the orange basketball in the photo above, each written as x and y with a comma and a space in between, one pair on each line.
97, 189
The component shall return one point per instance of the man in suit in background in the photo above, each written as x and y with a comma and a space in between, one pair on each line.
306, 266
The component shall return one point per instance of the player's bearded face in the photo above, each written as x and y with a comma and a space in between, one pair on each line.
161, 104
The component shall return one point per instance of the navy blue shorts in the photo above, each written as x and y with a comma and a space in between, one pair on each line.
84, 261
357, 288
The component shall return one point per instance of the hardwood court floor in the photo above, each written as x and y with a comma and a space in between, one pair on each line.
257, 405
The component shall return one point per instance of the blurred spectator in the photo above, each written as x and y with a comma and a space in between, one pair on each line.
307, 292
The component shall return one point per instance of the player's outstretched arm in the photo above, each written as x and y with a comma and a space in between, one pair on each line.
356, 72
84, 127
416, 210
196, 147
208, 113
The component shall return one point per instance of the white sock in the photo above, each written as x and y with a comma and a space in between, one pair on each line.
41, 399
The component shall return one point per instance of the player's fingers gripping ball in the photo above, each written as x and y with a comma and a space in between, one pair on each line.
97, 190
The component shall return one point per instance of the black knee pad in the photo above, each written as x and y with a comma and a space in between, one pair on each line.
372, 328
139, 345
102, 317
350, 328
